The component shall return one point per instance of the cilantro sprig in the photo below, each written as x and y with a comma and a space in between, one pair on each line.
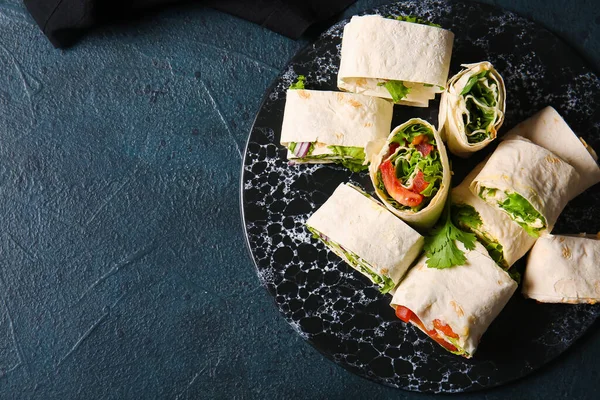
299, 84
440, 246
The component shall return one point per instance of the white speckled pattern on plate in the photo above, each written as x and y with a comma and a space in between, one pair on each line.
335, 308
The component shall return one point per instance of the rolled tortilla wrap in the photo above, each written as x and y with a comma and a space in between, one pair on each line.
454, 306
411, 174
327, 127
378, 50
527, 182
472, 108
549, 130
504, 239
350, 220
563, 269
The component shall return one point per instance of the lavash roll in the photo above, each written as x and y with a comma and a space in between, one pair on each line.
376, 49
466, 298
548, 129
563, 269
531, 171
453, 109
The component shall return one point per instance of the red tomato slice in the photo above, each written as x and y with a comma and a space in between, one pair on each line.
398, 192
424, 148
392, 149
419, 184
407, 315
404, 313
445, 328
448, 346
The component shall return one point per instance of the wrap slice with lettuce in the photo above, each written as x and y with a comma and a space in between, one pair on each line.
366, 235
407, 62
334, 127
411, 174
454, 306
505, 241
527, 182
564, 269
472, 108
549, 130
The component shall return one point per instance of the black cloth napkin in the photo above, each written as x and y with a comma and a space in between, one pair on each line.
65, 21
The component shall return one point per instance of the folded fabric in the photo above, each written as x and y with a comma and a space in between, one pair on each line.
65, 21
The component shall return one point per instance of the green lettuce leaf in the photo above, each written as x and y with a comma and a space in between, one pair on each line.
408, 133
413, 19
386, 283
397, 89
515, 274
482, 117
354, 157
406, 161
348, 156
299, 84
495, 250
520, 209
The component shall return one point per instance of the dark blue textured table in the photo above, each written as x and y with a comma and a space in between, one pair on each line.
123, 267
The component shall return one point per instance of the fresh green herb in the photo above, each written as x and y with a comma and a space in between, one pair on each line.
397, 89
413, 19
523, 213
440, 245
385, 282
299, 84
427, 85
467, 218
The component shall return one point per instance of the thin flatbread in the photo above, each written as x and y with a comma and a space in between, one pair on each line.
563, 269
548, 129
377, 49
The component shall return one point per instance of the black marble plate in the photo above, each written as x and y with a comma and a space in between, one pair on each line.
338, 310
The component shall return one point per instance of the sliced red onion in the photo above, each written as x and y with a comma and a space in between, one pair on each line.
301, 149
